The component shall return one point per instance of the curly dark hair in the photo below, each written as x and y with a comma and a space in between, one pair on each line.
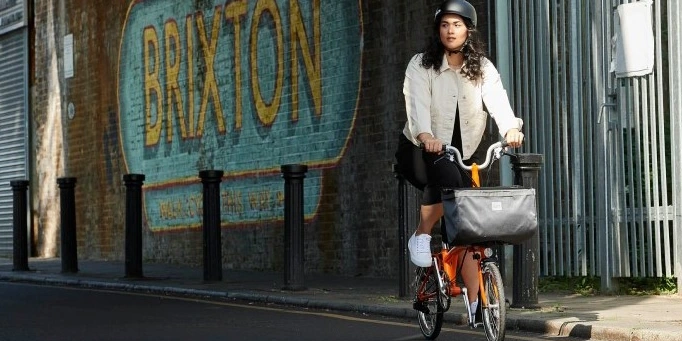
473, 50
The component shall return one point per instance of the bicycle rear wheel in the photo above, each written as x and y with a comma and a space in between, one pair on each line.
495, 314
428, 303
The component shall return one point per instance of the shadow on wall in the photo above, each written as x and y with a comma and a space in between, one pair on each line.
49, 150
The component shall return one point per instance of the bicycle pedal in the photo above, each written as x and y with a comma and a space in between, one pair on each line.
420, 306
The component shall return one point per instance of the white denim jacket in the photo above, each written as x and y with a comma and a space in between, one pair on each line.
432, 96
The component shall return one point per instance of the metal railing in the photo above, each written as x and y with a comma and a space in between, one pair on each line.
610, 203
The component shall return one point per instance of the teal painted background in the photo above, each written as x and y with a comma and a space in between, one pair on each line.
188, 94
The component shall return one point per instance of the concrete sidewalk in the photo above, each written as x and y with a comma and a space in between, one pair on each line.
612, 318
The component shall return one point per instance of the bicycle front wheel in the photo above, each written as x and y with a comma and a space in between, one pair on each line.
495, 314
428, 302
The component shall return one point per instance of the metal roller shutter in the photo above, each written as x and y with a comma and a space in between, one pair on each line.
13, 125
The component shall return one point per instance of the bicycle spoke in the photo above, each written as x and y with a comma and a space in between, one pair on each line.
494, 314
428, 303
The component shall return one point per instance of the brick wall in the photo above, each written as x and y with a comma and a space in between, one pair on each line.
82, 147
347, 138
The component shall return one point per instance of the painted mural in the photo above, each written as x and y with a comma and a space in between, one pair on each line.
240, 86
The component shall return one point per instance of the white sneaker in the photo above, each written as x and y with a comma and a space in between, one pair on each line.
420, 250
473, 305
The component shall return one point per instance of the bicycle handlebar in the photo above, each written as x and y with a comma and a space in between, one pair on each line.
494, 152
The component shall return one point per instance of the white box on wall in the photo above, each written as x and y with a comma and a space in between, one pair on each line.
633, 40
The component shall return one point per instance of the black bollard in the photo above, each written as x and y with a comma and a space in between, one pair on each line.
133, 238
403, 213
69, 244
526, 255
293, 226
213, 259
20, 226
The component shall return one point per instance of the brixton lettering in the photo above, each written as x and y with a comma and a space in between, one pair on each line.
244, 86
164, 105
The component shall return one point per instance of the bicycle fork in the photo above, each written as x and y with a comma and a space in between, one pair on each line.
442, 288
483, 299
482, 295
441, 285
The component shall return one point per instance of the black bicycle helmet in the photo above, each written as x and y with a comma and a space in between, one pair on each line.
460, 7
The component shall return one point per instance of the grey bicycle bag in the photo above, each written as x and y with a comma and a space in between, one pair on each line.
489, 215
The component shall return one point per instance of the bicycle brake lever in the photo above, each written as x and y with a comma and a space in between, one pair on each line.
511, 155
499, 152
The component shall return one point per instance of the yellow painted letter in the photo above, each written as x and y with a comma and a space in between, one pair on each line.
234, 12
267, 112
152, 87
190, 75
210, 86
173, 94
312, 62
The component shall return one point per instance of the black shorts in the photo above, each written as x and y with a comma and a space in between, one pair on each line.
424, 171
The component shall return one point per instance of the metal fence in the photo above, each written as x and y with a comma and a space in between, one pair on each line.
609, 187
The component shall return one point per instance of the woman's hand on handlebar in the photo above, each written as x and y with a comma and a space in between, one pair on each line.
430, 143
514, 138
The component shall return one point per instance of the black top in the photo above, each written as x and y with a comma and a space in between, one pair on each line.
457, 134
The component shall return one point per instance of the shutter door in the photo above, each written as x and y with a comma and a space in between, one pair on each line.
13, 126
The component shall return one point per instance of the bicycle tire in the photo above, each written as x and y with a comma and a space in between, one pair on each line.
495, 314
431, 322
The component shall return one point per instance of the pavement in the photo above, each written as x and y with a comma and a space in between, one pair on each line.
612, 318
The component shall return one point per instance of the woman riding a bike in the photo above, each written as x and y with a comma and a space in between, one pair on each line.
447, 86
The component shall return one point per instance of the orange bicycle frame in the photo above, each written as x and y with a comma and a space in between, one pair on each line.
448, 259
